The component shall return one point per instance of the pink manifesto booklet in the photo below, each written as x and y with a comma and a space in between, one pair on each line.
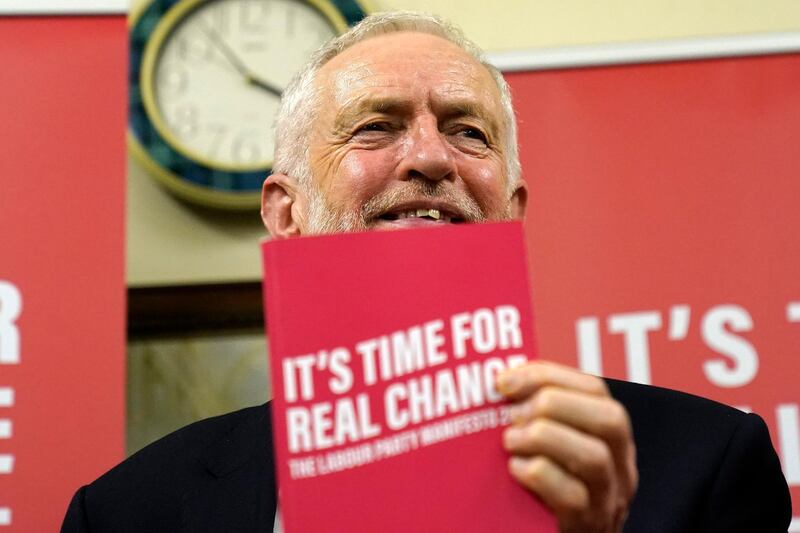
384, 347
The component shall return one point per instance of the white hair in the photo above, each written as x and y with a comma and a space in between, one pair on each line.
300, 101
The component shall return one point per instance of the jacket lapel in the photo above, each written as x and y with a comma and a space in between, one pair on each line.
238, 492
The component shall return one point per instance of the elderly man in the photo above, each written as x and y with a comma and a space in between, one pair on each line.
401, 123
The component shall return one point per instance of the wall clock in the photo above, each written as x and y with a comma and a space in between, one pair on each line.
205, 82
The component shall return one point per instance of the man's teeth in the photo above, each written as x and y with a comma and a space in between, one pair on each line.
435, 214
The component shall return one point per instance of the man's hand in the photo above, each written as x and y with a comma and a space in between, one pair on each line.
571, 444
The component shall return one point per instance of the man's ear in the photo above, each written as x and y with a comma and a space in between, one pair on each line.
283, 206
519, 200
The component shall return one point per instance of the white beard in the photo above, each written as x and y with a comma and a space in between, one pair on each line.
323, 218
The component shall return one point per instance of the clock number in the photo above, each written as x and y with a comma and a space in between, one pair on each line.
219, 20
172, 82
245, 149
194, 49
253, 16
290, 21
218, 132
184, 121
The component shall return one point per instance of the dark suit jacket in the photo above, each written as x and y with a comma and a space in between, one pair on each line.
703, 467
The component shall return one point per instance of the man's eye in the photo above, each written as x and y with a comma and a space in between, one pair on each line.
473, 133
374, 126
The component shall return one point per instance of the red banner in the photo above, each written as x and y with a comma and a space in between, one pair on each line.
62, 286
663, 228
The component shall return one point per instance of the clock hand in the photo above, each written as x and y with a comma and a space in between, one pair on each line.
237, 63
262, 84
226, 50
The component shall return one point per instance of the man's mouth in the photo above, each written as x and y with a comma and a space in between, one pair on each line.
421, 215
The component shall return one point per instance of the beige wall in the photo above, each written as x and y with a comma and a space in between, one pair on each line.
510, 24
172, 243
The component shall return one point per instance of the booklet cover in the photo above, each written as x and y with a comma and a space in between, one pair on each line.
384, 347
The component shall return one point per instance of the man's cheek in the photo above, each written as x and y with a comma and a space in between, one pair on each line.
330, 167
351, 185
367, 171
356, 169
488, 187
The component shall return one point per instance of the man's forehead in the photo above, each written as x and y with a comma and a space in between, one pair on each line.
370, 71
397, 46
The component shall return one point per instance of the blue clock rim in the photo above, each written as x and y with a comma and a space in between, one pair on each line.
143, 132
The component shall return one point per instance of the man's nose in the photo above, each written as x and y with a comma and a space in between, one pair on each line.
429, 155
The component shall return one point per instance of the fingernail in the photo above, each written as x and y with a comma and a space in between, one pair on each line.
516, 464
518, 412
511, 437
507, 382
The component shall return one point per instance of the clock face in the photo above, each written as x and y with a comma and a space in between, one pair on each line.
205, 84
214, 71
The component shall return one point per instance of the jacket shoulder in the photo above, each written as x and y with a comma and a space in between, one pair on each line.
703, 465
187, 448
654, 406
152, 485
